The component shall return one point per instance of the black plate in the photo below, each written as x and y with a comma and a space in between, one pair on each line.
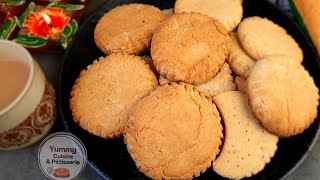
110, 158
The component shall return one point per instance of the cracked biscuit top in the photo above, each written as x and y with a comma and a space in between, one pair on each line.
127, 28
282, 95
174, 133
189, 47
106, 91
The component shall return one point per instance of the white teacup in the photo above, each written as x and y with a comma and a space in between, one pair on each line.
30, 116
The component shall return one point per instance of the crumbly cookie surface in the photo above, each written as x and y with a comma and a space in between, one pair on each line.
174, 133
282, 95
107, 90
127, 28
189, 47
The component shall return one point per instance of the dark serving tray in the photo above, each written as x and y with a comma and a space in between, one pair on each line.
110, 158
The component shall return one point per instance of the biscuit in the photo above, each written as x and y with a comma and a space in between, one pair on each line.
241, 84
174, 133
167, 12
189, 47
247, 146
127, 28
228, 12
282, 95
106, 91
238, 60
222, 82
260, 38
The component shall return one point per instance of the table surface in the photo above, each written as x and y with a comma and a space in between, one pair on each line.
23, 164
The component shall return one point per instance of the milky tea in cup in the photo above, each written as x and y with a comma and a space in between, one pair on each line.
13, 78
27, 99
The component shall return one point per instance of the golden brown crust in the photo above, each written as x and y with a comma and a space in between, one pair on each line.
260, 38
247, 146
174, 133
310, 13
282, 95
228, 12
238, 60
189, 47
106, 91
127, 28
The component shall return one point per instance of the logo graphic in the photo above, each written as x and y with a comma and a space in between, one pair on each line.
62, 156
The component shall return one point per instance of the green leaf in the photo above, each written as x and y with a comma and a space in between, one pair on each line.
299, 18
14, 2
73, 7
31, 41
26, 13
8, 27
68, 33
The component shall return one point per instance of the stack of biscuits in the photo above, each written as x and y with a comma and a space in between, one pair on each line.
217, 91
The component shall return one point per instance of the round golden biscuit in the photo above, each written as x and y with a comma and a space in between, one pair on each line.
174, 133
282, 95
247, 146
228, 12
261, 37
127, 28
106, 91
189, 47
